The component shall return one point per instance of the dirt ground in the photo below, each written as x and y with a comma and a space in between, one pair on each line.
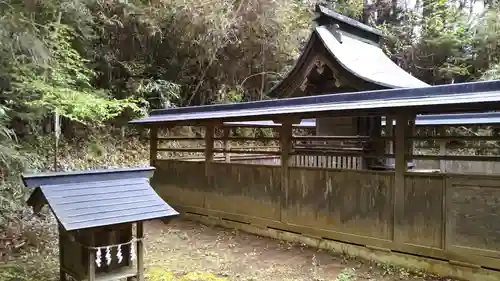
185, 247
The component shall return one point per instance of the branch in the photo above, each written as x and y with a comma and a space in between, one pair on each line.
212, 59
257, 74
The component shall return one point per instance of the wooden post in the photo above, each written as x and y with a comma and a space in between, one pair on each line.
442, 150
286, 145
410, 133
153, 145
375, 132
57, 135
227, 144
362, 130
389, 130
209, 148
62, 237
140, 251
91, 261
401, 167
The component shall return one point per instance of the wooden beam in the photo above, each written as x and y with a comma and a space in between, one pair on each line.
458, 138
389, 133
292, 120
401, 167
179, 138
266, 152
209, 148
227, 144
442, 149
153, 145
246, 138
333, 138
62, 238
91, 260
140, 251
467, 158
240, 150
192, 150
410, 134
286, 147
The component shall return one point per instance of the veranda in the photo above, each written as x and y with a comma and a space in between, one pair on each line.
376, 208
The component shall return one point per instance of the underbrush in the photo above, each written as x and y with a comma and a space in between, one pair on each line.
28, 242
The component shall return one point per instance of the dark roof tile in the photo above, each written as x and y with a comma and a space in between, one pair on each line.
86, 204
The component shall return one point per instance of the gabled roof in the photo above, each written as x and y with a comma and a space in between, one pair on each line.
354, 55
367, 61
450, 98
93, 199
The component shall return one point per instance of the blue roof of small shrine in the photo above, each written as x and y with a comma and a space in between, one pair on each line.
90, 199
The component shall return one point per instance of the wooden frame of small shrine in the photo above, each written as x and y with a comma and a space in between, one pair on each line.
97, 212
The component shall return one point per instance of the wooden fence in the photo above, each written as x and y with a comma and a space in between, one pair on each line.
311, 161
443, 216
346, 162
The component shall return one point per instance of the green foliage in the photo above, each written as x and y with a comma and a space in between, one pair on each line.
349, 8
445, 43
9, 156
160, 93
210, 51
64, 84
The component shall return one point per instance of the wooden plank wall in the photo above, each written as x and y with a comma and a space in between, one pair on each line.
318, 198
249, 190
444, 216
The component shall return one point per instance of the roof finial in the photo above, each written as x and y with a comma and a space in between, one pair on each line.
335, 30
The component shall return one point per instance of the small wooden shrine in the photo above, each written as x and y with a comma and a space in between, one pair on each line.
97, 212
343, 55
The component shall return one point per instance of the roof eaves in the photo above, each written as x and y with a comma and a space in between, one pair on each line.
82, 205
363, 96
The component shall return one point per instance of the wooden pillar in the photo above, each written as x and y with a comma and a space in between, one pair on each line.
227, 144
91, 261
389, 144
401, 167
372, 126
389, 129
285, 145
442, 149
375, 130
209, 148
153, 145
62, 237
362, 130
409, 135
140, 251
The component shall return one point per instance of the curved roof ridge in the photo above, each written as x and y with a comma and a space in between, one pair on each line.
352, 23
